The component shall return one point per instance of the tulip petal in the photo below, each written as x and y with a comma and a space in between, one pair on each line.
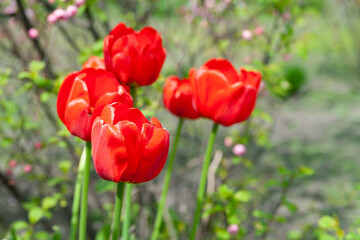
109, 151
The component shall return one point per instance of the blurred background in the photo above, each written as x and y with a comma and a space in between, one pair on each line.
299, 177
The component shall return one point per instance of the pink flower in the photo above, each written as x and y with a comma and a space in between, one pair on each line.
29, 13
233, 229
52, 18
11, 9
228, 141
12, 163
259, 30
11, 182
209, 3
27, 168
246, 34
286, 16
239, 149
78, 3
9, 173
61, 14
33, 33
227, 1
286, 57
38, 145
247, 59
72, 10
51, 1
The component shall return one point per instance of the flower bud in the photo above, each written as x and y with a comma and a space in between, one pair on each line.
239, 149
233, 229
33, 33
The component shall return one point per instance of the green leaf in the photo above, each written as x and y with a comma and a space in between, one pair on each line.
41, 235
49, 202
44, 97
306, 171
18, 225
104, 186
225, 192
243, 196
222, 234
327, 222
291, 206
35, 214
23, 75
65, 166
36, 66
103, 233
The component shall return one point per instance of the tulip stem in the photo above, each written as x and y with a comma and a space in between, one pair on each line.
202, 184
126, 224
117, 214
128, 186
85, 190
76, 198
161, 206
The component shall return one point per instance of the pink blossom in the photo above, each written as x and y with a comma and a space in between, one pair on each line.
12, 163
246, 34
52, 18
33, 33
259, 30
29, 13
10, 9
9, 173
79, 3
286, 16
239, 149
209, 3
72, 10
233, 229
11, 182
227, 1
51, 1
247, 59
38, 145
61, 14
286, 57
27, 168
228, 142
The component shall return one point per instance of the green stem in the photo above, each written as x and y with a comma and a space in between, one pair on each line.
85, 190
117, 214
166, 183
76, 199
128, 186
202, 184
126, 224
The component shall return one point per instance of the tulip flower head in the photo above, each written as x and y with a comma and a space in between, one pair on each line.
178, 97
134, 57
222, 94
94, 62
83, 95
126, 147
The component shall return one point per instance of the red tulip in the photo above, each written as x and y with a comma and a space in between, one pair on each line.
94, 62
222, 94
134, 57
126, 147
83, 95
178, 97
